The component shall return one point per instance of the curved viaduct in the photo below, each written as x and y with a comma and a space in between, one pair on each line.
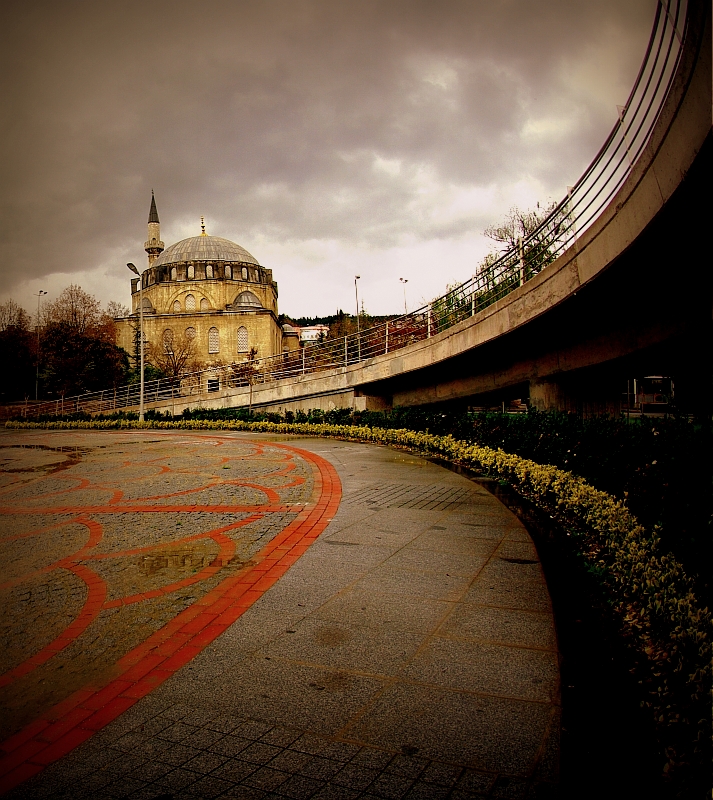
631, 296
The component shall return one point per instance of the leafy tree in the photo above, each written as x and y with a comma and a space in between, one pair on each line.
78, 351
18, 353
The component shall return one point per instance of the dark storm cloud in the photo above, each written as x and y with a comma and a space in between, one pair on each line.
291, 120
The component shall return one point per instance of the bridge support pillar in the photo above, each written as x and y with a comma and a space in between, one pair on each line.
548, 395
371, 402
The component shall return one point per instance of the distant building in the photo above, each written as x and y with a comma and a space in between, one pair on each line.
313, 333
210, 290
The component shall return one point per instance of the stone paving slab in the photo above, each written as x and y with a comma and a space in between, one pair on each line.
408, 651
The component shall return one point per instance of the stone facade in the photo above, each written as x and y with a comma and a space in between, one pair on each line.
210, 290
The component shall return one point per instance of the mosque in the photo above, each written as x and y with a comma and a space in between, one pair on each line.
210, 291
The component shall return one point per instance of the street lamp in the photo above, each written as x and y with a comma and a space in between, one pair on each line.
37, 373
141, 338
356, 292
404, 281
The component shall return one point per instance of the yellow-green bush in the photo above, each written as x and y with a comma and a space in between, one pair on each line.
648, 589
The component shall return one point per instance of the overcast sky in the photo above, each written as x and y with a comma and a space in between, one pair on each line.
329, 138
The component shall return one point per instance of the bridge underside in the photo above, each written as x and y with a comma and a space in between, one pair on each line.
648, 313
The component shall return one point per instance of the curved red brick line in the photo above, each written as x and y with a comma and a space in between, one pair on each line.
164, 545
148, 665
96, 531
36, 531
205, 486
96, 594
66, 562
83, 483
162, 509
227, 551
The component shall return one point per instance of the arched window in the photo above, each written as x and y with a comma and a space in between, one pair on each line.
242, 339
190, 334
191, 272
190, 302
205, 305
228, 272
213, 341
176, 306
247, 299
245, 273
174, 273
168, 340
209, 271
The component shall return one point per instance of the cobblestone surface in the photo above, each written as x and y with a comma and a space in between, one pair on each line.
409, 651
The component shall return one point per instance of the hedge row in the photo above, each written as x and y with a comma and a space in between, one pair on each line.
647, 588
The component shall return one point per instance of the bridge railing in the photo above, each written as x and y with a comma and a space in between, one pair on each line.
493, 280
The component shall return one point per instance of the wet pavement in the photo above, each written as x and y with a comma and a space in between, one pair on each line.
236, 615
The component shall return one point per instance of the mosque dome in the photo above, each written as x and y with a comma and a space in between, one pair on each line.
205, 248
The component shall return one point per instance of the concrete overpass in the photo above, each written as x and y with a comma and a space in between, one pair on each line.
628, 295
631, 296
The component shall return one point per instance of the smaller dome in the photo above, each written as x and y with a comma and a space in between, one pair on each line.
247, 299
288, 328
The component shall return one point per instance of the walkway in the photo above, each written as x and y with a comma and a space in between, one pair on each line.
198, 615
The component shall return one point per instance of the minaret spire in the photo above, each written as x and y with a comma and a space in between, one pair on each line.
153, 245
153, 212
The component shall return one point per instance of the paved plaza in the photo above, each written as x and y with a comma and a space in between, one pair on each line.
217, 614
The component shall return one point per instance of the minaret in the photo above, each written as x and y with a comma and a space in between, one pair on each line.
153, 245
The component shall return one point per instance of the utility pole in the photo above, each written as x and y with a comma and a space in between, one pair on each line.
404, 281
37, 372
141, 338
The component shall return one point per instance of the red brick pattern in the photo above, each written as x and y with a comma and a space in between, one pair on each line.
70, 722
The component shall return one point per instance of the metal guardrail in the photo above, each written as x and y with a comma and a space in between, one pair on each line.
558, 231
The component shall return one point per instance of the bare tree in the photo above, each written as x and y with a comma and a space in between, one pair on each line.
75, 308
174, 356
13, 316
540, 232
115, 310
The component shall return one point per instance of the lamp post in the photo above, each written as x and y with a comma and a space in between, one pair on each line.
37, 373
356, 292
404, 281
141, 338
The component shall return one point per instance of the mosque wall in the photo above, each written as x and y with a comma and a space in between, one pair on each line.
207, 290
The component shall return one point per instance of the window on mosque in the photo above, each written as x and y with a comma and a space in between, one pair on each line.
191, 272
213, 384
176, 306
168, 340
247, 299
190, 302
190, 334
174, 273
242, 339
228, 271
209, 271
213, 341
205, 305
245, 273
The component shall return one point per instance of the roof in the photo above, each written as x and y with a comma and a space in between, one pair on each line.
205, 248
153, 212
